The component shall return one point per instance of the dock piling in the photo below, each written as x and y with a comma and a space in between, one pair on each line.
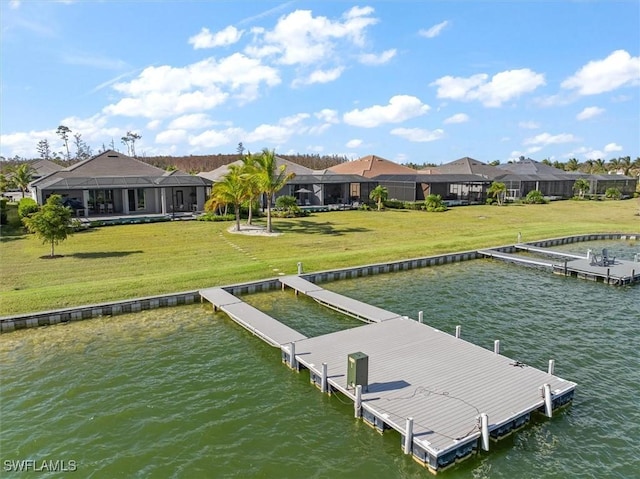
548, 404
408, 436
323, 383
357, 404
299, 267
420, 316
496, 346
484, 429
293, 364
552, 366
458, 331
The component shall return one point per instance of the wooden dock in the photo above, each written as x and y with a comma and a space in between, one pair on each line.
351, 307
514, 258
548, 252
445, 396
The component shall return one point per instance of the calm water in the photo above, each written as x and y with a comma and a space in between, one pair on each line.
186, 393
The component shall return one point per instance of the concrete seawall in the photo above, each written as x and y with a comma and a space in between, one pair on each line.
46, 318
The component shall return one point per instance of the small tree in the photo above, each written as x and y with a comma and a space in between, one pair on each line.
27, 207
271, 178
534, 197
379, 194
613, 193
434, 203
581, 186
22, 176
44, 150
52, 224
498, 190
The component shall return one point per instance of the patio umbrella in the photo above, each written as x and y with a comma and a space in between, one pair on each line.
302, 191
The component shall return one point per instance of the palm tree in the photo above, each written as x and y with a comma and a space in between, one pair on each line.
271, 178
498, 190
572, 165
22, 176
581, 185
379, 194
230, 190
434, 202
250, 171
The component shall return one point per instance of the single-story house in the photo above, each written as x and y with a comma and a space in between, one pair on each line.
113, 183
313, 187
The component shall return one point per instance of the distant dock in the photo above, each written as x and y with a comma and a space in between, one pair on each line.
611, 271
446, 397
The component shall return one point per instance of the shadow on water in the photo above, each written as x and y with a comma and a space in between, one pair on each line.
104, 254
311, 227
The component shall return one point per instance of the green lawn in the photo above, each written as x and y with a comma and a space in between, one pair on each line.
127, 261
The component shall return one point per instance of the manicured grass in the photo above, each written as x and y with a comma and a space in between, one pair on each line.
128, 261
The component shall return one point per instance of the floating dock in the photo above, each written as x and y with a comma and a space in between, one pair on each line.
615, 271
445, 396
351, 307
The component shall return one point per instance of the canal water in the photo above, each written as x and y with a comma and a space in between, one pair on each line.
186, 393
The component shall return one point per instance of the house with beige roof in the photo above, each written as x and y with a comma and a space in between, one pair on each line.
113, 183
314, 187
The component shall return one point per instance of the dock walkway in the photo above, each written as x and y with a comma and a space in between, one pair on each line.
269, 329
547, 251
514, 258
351, 307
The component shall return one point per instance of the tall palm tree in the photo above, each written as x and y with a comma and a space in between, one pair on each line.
271, 178
498, 190
230, 190
22, 176
250, 170
379, 194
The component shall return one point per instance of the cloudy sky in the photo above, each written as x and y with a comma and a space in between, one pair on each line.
410, 81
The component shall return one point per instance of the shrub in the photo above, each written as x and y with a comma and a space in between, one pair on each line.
434, 204
286, 202
534, 197
613, 194
27, 207
491, 200
394, 204
214, 217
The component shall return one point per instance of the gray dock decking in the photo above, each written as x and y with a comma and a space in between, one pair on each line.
352, 307
269, 329
442, 382
618, 272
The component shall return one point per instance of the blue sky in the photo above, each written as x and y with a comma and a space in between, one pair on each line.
410, 81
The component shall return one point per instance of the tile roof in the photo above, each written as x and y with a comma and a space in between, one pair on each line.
370, 166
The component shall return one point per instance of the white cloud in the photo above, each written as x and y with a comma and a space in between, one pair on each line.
355, 143
301, 38
212, 138
599, 76
320, 76
327, 115
589, 112
377, 59
457, 118
502, 87
610, 147
529, 125
533, 149
418, 134
154, 124
191, 122
158, 92
173, 136
435, 30
14, 4
206, 39
400, 108
549, 139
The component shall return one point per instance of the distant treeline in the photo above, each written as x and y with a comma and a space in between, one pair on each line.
197, 163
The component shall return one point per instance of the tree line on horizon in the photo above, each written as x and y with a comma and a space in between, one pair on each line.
194, 164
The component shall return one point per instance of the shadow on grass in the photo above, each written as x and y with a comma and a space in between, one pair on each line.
103, 254
326, 228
